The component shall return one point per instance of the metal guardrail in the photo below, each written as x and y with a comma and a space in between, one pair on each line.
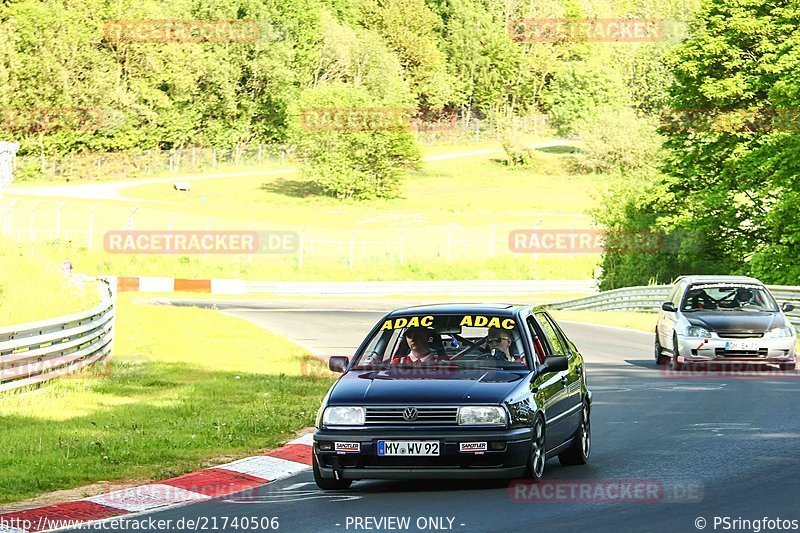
648, 299
40, 351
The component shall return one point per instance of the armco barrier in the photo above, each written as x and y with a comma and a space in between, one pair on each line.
39, 351
649, 298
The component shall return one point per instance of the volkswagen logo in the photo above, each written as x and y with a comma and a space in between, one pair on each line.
410, 414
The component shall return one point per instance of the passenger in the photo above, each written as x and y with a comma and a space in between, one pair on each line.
500, 339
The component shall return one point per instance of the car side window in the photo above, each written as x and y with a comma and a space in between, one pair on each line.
557, 344
678, 296
538, 347
673, 295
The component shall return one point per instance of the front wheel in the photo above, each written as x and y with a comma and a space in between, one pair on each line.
535, 467
578, 451
661, 359
674, 364
327, 483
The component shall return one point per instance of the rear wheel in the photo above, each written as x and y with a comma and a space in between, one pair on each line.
788, 366
326, 483
661, 359
535, 467
673, 361
578, 451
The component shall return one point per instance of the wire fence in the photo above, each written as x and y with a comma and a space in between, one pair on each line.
129, 165
73, 223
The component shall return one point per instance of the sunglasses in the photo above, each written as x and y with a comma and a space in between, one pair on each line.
498, 339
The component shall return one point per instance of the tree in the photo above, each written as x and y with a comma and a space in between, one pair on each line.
345, 155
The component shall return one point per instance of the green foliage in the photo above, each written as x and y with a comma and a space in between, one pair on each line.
734, 184
360, 163
619, 141
517, 154
582, 90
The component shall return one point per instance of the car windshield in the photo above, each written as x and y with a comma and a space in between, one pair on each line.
728, 297
454, 341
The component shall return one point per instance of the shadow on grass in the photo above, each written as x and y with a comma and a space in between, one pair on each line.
293, 188
560, 149
156, 420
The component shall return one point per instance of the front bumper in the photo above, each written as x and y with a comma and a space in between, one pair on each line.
757, 351
508, 462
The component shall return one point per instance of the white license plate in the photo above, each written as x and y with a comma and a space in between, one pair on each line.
408, 447
741, 345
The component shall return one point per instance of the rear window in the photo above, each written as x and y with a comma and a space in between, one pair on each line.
473, 340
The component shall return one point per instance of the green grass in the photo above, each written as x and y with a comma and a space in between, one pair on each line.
443, 222
33, 287
173, 401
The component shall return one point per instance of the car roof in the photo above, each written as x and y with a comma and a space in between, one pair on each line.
713, 279
461, 308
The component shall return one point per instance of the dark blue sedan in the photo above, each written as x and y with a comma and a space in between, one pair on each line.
455, 391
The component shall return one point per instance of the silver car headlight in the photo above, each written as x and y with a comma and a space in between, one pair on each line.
779, 333
697, 331
343, 416
481, 415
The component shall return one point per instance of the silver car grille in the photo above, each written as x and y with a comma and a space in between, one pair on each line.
410, 415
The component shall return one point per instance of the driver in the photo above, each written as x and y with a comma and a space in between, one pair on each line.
417, 340
500, 340
744, 296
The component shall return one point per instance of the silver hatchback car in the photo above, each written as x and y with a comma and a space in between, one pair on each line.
724, 319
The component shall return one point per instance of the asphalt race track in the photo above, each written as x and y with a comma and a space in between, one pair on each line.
717, 446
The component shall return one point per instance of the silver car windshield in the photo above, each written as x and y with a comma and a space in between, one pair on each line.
728, 297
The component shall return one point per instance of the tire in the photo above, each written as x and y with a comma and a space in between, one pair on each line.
788, 366
325, 483
658, 351
534, 470
581, 447
673, 361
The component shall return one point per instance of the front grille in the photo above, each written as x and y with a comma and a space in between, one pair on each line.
722, 352
440, 416
740, 334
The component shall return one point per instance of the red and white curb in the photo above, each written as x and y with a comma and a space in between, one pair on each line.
286, 461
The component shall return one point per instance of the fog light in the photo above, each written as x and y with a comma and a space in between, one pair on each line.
326, 446
497, 445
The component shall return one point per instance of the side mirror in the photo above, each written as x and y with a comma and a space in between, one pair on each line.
668, 307
554, 363
338, 363
786, 307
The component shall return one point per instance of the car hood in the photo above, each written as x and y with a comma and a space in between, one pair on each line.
404, 387
735, 320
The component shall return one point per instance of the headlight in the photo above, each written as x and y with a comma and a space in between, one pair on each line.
697, 331
779, 333
482, 415
343, 416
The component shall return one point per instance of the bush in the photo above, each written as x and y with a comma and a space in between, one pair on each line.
619, 141
345, 152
